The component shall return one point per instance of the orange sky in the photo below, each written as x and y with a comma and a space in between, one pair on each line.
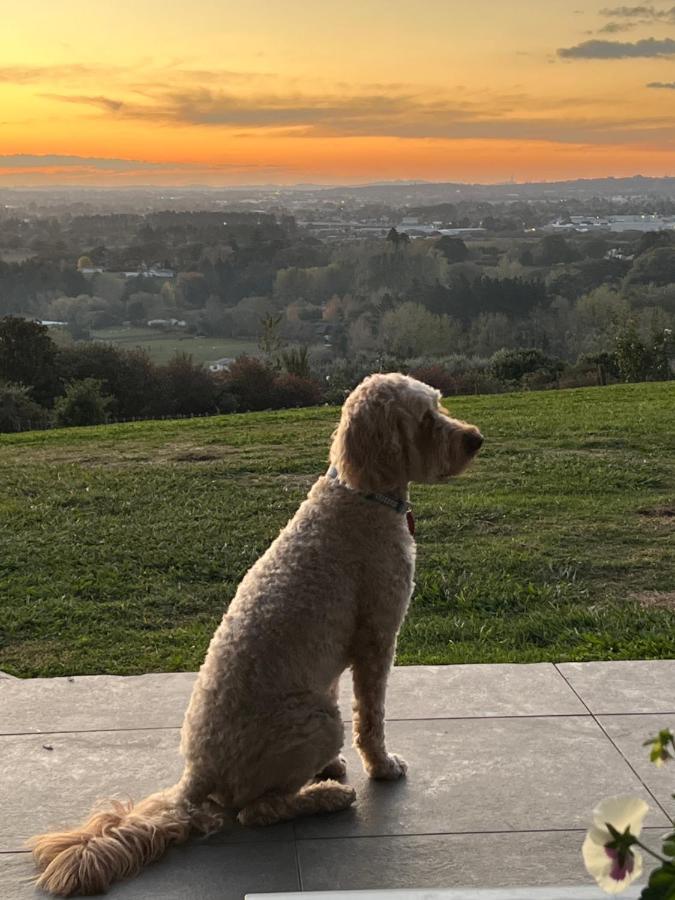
286, 91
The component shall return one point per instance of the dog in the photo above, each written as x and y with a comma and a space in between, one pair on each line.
262, 734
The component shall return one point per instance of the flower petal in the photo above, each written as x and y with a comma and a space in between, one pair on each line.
603, 867
621, 812
610, 882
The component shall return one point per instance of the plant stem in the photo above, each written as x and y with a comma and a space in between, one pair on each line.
653, 852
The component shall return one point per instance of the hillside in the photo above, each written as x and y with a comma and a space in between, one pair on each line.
121, 546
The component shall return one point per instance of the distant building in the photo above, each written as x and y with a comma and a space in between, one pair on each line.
221, 365
166, 323
149, 272
613, 223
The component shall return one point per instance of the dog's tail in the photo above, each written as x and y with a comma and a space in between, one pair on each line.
117, 842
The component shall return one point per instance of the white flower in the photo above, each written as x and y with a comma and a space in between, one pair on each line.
608, 852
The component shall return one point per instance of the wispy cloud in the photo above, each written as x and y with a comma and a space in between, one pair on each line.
615, 27
401, 115
28, 160
641, 13
103, 102
142, 75
649, 48
62, 73
45, 169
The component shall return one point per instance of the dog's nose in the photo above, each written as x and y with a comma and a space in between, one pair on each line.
473, 441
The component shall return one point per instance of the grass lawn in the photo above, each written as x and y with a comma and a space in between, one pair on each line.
121, 546
162, 345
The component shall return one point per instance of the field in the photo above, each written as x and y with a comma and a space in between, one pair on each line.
162, 345
121, 546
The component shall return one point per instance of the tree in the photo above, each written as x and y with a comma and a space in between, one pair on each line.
17, 411
393, 237
554, 249
270, 340
640, 360
453, 249
27, 356
411, 330
192, 289
655, 266
83, 403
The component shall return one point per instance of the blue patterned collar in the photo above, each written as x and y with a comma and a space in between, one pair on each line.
400, 506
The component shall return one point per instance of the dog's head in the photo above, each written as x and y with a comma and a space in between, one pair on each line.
394, 430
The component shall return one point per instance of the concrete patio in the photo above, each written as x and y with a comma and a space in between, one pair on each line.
506, 764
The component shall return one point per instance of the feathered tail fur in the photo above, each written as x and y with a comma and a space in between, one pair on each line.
117, 842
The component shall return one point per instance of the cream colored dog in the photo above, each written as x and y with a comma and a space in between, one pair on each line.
330, 593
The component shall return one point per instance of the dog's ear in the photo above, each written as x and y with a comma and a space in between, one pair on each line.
370, 445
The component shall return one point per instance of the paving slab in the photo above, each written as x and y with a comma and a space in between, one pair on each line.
96, 702
43, 789
624, 686
477, 775
209, 873
444, 861
629, 733
446, 692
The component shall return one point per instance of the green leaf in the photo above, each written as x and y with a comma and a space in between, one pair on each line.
661, 884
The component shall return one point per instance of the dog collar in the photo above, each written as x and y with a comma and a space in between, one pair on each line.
402, 507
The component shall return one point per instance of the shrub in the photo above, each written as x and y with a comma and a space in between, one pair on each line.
296, 362
252, 383
294, 391
18, 412
603, 366
437, 377
188, 387
82, 404
511, 365
541, 380
474, 382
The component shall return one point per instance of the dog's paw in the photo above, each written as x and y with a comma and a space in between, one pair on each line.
389, 768
336, 769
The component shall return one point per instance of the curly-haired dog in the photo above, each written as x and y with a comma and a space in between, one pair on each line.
330, 593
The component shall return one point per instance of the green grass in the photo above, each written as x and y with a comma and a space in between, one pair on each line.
121, 546
162, 345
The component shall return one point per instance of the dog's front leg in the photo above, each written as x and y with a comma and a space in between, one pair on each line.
370, 673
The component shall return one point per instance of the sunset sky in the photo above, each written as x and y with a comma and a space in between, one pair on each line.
286, 91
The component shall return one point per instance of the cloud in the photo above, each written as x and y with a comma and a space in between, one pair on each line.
31, 169
104, 102
628, 12
667, 85
646, 48
28, 160
152, 76
66, 73
615, 27
403, 115
641, 13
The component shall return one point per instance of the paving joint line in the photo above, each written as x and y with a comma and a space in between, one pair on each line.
579, 715
217, 845
623, 756
297, 858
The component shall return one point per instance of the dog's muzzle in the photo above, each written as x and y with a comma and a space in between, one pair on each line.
473, 441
